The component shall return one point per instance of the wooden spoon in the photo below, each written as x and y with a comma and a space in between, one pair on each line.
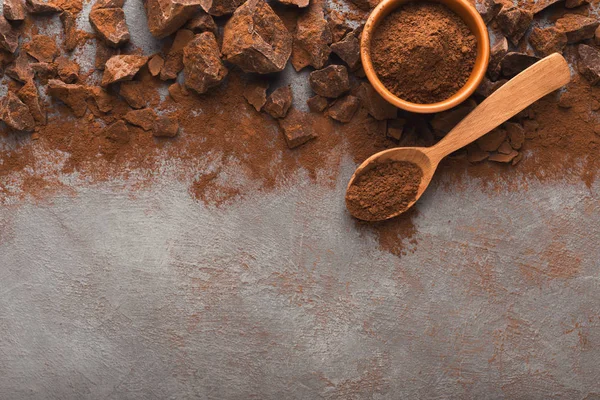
535, 82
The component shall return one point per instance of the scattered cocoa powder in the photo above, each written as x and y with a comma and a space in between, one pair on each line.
423, 52
387, 188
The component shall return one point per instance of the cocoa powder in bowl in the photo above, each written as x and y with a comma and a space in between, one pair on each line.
423, 52
384, 190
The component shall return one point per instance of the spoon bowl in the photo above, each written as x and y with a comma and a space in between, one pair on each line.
535, 82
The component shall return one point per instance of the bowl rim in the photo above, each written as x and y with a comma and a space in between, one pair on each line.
474, 21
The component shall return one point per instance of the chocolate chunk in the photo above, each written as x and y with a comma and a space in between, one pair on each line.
492, 140
348, 49
202, 22
118, 132
20, 69
43, 48
540, 5
9, 37
514, 62
135, 94
395, 129
443, 122
331, 81
475, 154
256, 40
74, 96
14, 10
70, 28
203, 68
374, 103
505, 148
99, 4
365, 5
29, 95
221, 7
514, 22
311, 39
165, 126
255, 93
516, 134
110, 25
547, 41
279, 102
317, 103
487, 87
143, 118
102, 99
575, 3
503, 158
298, 3
178, 92
174, 59
577, 27
597, 36
497, 53
589, 63
67, 70
488, 9
567, 99
42, 7
103, 54
44, 71
15, 113
166, 16
122, 68
297, 130
337, 25
156, 64
344, 108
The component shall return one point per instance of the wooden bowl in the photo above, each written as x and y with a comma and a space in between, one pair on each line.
469, 15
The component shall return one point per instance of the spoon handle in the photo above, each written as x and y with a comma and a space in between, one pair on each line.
535, 82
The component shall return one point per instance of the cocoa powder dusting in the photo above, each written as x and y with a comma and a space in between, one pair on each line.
423, 52
386, 189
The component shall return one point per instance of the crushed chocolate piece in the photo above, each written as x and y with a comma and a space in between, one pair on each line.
443, 122
166, 16
74, 96
514, 62
540, 5
67, 70
395, 129
255, 92
174, 60
497, 53
44, 71
70, 28
514, 22
311, 39
29, 95
597, 37
14, 10
577, 27
43, 48
256, 40
122, 68
203, 68
348, 49
135, 94
547, 41
297, 128
331, 81
516, 134
365, 5
9, 37
475, 154
344, 108
177, 92
155, 64
42, 7
110, 25
15, 113
143, 118
488, 9
567, 99
165, 126
492, 140
103, 54
575, 3
503, 158
279, 102
337, 25
487, 87
589, 63
221, 7
317, 103
99, 4
376, 105
102, 99
117, 132
20, 68
505, 148
202, 22
298, 3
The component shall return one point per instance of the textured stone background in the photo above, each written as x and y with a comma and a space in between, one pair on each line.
108, 293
